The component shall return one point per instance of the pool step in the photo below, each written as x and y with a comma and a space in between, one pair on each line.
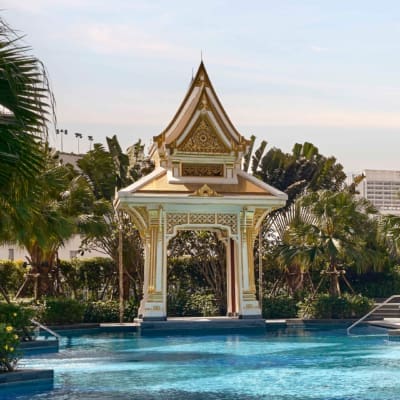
391, 310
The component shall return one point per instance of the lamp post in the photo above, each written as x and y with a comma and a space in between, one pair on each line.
90, 142
61, 132
78, 136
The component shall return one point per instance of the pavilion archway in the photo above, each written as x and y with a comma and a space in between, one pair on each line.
198, 183
203, 258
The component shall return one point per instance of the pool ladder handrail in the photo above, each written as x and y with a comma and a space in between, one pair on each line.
45, 328
371, 312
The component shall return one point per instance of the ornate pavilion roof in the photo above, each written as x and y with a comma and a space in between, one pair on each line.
199, 154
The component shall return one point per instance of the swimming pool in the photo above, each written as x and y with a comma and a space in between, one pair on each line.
286, 364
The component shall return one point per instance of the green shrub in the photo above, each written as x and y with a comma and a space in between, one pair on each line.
201, 304
108, 311
101, 311
182, 303
93, 273
18, 317
279, 307
377, 284
9, 341
176, 302
11, 275
63, 311
131, 310
327, 306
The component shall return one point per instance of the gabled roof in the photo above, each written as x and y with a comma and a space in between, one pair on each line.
157, 184
201, 104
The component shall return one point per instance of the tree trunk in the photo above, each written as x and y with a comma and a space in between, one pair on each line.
334, 287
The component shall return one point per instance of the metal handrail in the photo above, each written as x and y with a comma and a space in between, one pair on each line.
45, 328
371, 312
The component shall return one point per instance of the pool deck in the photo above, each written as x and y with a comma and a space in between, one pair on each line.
389, 323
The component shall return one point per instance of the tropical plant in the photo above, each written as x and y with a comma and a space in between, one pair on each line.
335, 236
327, 306
104, 169
305, 169
25, 102
63, 206
390, 234
9, 342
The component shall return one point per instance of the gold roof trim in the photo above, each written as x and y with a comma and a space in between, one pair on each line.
160, 185
206, 191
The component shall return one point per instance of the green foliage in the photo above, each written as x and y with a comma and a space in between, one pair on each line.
11, 275
327, 306
98, 167
202, 304
176, 301
63, 311
304, 168
9, 341
26, 97
18, 316
279, 307
94, 273
184, 304
197, 264
377, 284
101, 311
108, 311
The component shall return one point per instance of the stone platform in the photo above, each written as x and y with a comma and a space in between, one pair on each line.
389, 323
201, 325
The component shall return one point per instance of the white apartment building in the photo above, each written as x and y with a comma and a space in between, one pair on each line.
382, 189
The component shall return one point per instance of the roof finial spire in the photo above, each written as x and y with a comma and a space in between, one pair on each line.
201, 55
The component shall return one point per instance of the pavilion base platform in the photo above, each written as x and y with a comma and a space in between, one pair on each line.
201, 325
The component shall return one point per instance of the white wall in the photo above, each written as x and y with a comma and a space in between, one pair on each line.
67, 252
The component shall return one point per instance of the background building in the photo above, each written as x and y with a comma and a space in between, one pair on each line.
382, 188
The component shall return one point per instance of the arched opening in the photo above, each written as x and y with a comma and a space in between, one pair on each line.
197, 273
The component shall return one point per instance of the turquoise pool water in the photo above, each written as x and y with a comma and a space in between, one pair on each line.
280, 365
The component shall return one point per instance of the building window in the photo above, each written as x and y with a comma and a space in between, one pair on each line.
11, 254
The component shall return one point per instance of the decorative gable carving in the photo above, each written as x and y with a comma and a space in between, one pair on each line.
206, 191
203, 139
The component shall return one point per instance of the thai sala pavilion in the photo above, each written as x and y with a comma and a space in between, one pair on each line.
198, 184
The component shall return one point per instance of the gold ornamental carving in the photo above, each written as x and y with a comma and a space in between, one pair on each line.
228, 220
206, 191
203, 170
177, 219
203, 139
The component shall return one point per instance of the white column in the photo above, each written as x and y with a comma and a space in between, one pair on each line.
249, 307
153, 306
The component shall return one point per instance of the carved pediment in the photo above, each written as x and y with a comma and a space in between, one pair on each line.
206, 191
203, 139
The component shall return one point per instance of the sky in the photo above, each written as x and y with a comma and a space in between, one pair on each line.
326, 72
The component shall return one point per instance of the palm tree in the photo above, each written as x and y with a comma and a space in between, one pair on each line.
337, 233
25, 102
390, 233
304, 169
63, 205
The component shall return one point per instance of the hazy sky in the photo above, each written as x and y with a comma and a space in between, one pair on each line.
322, 71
